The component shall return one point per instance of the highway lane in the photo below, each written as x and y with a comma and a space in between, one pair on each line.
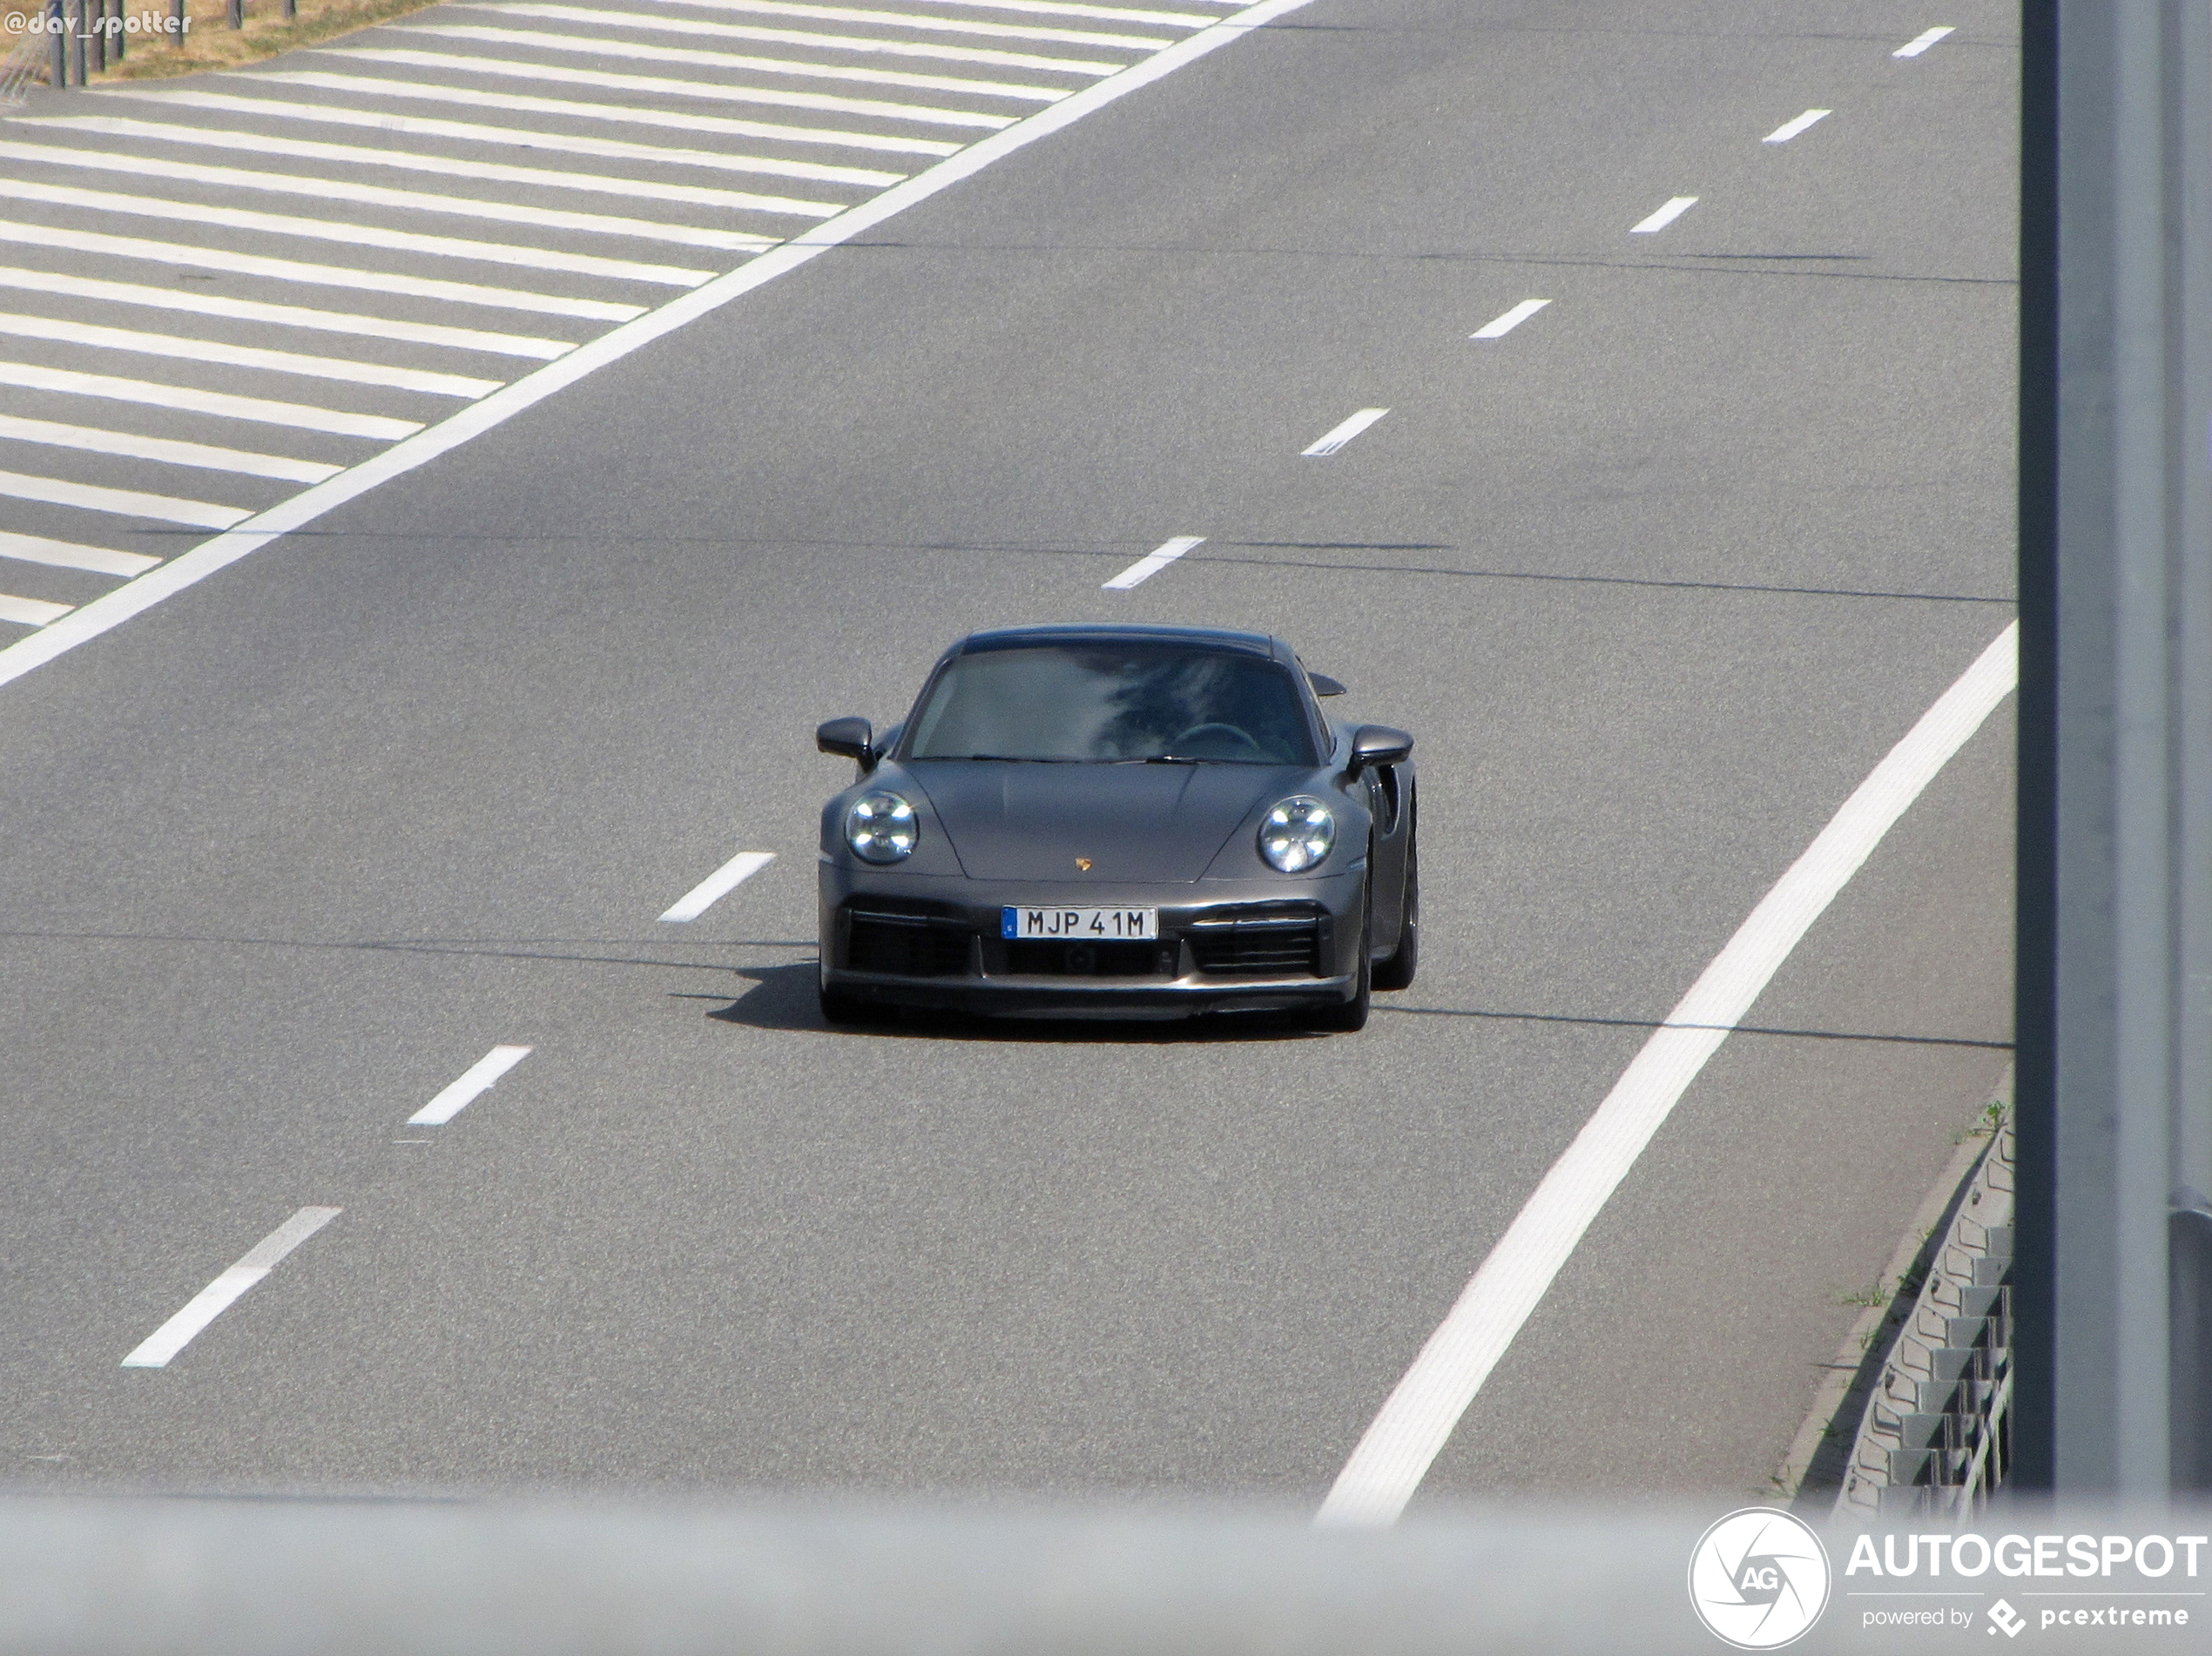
308, 841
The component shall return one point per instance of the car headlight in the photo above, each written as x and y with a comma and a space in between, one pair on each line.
880, 828
1297, 834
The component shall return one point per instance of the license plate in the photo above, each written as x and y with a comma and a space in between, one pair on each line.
1080, 925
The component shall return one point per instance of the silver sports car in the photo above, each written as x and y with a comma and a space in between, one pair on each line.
1119, 821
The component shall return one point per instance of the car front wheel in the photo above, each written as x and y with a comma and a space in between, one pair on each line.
1395, 970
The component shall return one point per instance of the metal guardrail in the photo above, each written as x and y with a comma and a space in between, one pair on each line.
1936, 1438
22, 68
80, 38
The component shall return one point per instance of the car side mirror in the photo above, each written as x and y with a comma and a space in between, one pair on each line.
849, 739
1324, 685
1373, 744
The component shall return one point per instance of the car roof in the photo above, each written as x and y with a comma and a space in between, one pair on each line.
1111, 632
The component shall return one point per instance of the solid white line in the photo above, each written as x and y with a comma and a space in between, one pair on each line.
1920, 42
31, 612
276, 223
475, 1081
496, 171
862, 45
1033, 8
428, 92
1498, 329
189, 569
514, 69
156, 395
1664, 216
717, 885
42, 281
166, 450
290, 270
1339, 435
1419, 1418
1152, 562
242, 356
1789, 130
203, 514
36, 548
935, 25
377, 195
596, 47
217, 1298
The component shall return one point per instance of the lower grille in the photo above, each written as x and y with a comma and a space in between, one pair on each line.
1042, 959
907, 945
1279, 945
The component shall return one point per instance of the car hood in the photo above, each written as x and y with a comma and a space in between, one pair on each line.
1132, 822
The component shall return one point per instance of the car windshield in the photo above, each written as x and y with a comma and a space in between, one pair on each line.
1114, 702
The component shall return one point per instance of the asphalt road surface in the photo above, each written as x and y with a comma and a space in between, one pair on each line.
1656, 577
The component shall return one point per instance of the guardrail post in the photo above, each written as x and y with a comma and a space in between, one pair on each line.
118, 30
176, 21
238, 14
57, 42
74, 22
94, 32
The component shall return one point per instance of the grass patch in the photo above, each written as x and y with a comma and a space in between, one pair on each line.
151, 53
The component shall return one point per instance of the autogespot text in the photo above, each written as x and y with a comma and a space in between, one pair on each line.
2121, 1561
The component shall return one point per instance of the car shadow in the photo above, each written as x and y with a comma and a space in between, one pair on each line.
782, 998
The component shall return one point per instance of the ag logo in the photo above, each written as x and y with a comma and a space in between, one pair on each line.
1758, 1578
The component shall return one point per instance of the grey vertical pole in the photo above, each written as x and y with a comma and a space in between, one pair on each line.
238, 14
2189, 1240
91, 13
58, 41
115, 25
177, 21
2117, 550
77, 37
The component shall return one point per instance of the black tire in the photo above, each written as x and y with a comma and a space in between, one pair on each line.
1347, 1016
1396, 969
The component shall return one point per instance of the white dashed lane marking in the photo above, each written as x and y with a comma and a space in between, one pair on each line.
1338, 435
1665, 216
1789, 130
1152, 562
1921, 42
473, 1082
173, 1336
717, 885
1498, 329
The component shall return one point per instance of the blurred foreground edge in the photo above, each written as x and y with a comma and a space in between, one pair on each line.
243, 1577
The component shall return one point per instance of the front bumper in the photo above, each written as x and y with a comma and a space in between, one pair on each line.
1224, 945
